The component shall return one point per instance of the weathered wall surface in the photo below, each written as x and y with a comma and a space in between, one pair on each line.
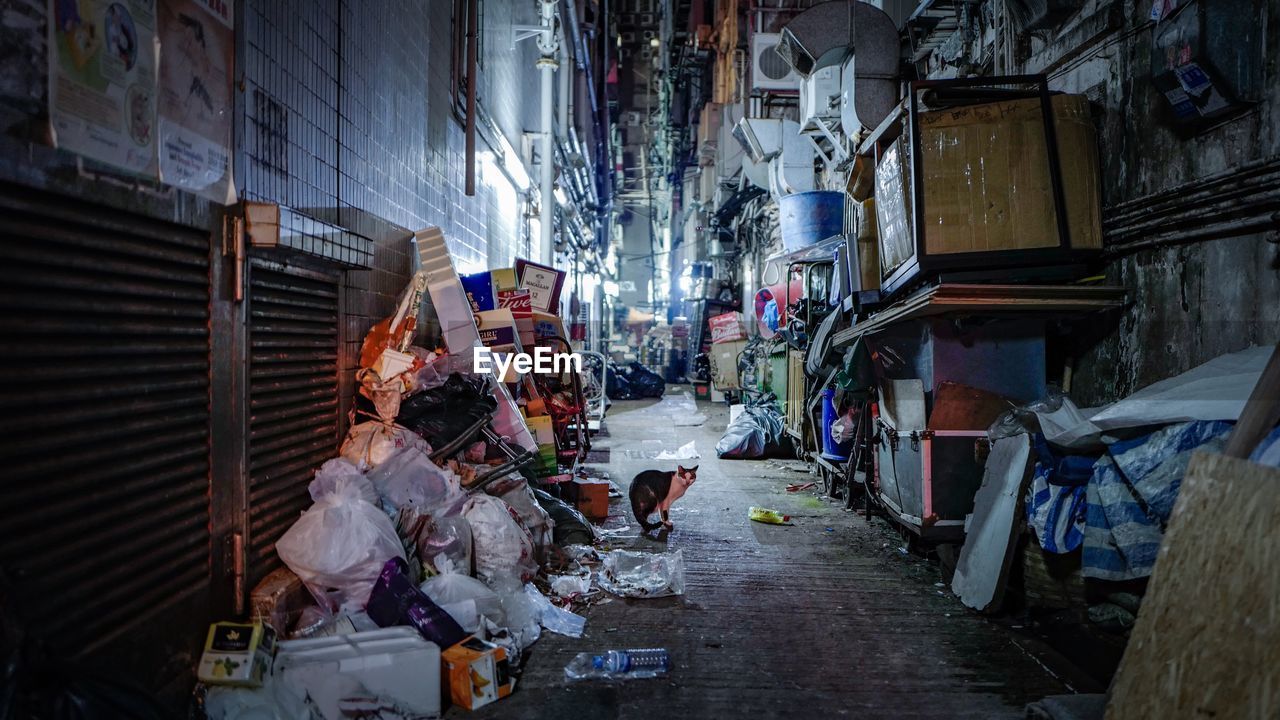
1193, 295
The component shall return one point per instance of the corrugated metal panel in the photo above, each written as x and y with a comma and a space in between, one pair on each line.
293, 398
104, 350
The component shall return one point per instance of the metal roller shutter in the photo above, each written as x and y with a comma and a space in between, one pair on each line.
294, 412
104, 445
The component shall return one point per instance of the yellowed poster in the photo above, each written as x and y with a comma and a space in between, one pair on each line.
197, 53
102, 80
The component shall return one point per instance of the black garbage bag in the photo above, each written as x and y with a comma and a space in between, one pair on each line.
758, 432
701, 367
571, 528
616, 386
441, 414
644, 382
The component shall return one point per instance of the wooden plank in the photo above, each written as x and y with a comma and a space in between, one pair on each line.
1261, 411
1205, 643
949, 298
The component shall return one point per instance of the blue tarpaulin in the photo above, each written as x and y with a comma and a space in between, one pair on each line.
1124, 521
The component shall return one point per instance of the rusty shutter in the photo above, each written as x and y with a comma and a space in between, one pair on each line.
294, 418
104, 443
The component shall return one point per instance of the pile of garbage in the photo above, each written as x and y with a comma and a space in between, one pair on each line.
632, 381
419, 575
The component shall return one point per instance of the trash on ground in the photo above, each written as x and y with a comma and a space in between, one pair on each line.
396, 600
478, 673
569, 585
758, 432
799, 488
619, 665
237, 654
642, 575
392, 672
767, 516
467, 600
557, 620
688, 451
341, 542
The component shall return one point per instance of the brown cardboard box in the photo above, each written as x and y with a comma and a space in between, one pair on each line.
279, 599
591, 497
476, 673
724, 364
986, 180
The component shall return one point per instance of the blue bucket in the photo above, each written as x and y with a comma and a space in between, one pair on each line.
809, 217
831, 450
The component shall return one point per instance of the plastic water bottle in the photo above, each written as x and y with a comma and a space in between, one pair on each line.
624, 662
619, 665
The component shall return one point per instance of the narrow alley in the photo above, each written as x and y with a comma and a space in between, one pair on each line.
827, 617
674, 359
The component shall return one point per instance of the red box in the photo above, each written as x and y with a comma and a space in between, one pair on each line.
727, 328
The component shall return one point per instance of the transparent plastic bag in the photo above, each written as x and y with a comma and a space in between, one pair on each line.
407, 477
557, 620
433, 373
343, 540
519, 497
504, 550
642, 575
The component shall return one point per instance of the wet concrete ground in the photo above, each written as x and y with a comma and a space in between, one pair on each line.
824, 618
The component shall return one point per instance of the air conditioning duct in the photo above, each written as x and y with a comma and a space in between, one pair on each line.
761, 138
861, 38
791, 171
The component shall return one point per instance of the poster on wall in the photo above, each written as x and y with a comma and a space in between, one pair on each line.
102, 80
197, 54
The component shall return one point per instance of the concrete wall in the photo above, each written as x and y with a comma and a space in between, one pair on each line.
1190, 301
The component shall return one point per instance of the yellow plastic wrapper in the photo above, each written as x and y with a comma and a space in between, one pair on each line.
765, 515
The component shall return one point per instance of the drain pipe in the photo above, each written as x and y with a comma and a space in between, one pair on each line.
548, 45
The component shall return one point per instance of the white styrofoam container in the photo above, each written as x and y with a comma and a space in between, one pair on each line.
395, 664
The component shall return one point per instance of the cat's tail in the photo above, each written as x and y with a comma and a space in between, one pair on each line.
643, 503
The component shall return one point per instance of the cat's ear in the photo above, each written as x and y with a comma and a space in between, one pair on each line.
680, 469
692, 470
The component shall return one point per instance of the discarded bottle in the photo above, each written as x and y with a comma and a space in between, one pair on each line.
619, 665
765, 515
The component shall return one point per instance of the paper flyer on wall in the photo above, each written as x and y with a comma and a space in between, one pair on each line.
197, 41
102, 80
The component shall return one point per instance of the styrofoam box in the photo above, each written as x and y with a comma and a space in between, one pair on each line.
395, 663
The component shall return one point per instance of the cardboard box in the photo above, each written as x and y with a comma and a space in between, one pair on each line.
479, 288
279, 599
547, 325
591, 497
476, 673
542, 282
237, 654
986, 181
503, 279
727, 327
520, 304
724, 364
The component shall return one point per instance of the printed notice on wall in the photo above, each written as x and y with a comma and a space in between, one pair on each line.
102, 80
197, 51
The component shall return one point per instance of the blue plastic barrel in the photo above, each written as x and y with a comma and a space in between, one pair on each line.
831, 450
809, 217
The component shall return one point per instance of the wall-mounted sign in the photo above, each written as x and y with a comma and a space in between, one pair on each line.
102, 80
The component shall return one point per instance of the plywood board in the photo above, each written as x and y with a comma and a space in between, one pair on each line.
988, 545
1207, 640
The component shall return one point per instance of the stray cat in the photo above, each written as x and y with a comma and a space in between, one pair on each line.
657, 490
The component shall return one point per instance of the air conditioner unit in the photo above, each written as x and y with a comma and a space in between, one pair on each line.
820, 97
769, 72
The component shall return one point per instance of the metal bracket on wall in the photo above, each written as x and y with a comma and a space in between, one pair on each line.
233, 246
233, 560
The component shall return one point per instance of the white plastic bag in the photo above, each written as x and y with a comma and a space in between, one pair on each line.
369, 444
343, 540
503, 546
408, 477
842, 429
465, 599
519, 497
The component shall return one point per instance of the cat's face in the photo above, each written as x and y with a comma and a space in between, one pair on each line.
688, 475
